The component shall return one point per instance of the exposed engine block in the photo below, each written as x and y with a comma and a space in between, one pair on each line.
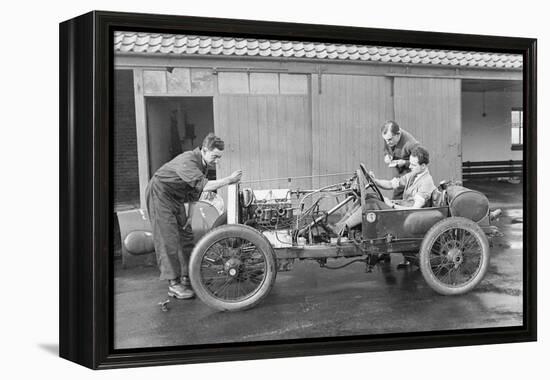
267, 208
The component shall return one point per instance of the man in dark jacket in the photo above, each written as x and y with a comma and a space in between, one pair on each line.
398, 145
179, 181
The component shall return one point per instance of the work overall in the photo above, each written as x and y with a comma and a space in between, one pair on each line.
177, 182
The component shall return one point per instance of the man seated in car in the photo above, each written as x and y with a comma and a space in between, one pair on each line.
417, 185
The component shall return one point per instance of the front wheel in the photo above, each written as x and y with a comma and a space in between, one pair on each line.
232, 267
454, 256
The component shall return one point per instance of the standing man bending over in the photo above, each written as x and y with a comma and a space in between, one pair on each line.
179, 181
398, 145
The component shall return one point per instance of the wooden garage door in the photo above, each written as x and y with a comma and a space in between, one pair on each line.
348, 111
429, 108
267, 136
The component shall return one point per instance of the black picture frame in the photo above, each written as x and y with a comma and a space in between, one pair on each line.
86, 272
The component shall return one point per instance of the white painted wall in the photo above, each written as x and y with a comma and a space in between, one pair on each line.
488, 138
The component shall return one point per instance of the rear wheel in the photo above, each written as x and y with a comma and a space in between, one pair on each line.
233, 267
454, 256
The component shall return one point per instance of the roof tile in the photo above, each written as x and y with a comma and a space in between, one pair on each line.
309, 47
240, 44
228, 51
154, 43
216, 50
311, 54
343, 55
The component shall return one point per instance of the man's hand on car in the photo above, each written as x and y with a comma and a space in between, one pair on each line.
235, 176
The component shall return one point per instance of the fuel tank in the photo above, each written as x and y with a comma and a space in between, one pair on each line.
467, 203
135, 228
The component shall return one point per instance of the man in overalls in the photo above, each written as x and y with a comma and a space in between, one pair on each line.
179, 181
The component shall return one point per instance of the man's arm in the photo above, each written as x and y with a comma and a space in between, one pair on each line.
384, 183
216, 184
422, 196
403, 163
389, 184
388, 156
419, 202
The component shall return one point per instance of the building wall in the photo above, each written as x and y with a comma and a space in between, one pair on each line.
277, 125
429, 108
126, 181
267, 136
265, 121
488, 138
348, 111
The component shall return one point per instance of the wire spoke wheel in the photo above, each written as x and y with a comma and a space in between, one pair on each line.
232, 267
454, 256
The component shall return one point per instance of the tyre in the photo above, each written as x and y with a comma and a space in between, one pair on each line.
454, 256
233, 267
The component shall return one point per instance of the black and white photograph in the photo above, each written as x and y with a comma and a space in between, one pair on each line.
277, 189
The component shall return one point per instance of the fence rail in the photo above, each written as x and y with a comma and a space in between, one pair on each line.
492, 169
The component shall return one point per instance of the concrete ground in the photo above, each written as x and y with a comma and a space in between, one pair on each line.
310, 301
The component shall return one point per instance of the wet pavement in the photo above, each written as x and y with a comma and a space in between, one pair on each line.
310, 301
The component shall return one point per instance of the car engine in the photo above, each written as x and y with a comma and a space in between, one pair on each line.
266, 208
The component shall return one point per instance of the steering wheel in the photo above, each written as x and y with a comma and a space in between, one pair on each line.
370, 182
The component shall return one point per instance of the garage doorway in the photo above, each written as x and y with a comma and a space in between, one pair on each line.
490, 144
176, 125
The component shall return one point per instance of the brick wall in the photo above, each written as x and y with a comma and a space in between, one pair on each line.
126, 180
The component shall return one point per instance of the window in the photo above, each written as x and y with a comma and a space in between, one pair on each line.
517, 128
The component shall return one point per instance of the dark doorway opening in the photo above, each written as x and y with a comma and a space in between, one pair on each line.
175, 125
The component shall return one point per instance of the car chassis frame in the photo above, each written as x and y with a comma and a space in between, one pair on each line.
457, 241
